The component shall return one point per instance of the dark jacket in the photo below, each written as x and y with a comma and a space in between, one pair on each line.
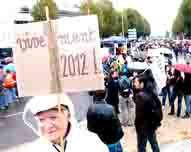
102, 120
187, 84
112, 97
146, 119
179, 85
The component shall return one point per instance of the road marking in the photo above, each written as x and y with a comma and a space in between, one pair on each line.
12, 115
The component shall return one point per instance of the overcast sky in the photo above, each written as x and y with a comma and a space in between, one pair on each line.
160, 13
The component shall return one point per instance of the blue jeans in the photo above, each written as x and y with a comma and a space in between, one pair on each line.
173, 98
187, 99
166, 91
10, 95
3, 101
115, 147
142, 139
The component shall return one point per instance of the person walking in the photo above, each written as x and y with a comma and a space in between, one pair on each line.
112, 89
187, 94
177, 92
148, 112
167, 91
103, 120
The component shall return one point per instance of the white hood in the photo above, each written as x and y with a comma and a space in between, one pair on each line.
43, 103
77, 140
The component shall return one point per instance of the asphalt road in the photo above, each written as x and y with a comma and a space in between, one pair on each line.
13, 131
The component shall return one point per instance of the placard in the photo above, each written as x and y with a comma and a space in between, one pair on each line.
78, 45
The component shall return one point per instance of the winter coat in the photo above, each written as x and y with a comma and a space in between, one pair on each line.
179, 85
77, 140
145, 119
112, 97
102, 120
187, 84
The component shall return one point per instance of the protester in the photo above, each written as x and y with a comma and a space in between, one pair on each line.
124, 69
166, 91
148, 112
3, 101
177, 92
187, 94
54, 125
9, 85
112, 87
126, 104
102, 120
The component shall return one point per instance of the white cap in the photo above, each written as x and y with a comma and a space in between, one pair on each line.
43, 103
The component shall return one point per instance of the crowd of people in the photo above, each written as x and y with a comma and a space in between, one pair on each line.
177, 86
179, 47
105, 131
135, 88
8, 89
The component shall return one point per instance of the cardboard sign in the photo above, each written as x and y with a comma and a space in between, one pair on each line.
158, 69
78, 45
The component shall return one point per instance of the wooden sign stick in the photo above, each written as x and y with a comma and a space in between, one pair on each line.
56, 86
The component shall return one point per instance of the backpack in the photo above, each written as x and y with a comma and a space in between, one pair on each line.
157, 114
9, 82
124, 83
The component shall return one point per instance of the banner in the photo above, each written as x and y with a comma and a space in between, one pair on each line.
158, 70
78, 45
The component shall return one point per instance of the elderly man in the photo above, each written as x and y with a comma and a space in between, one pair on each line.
54, 125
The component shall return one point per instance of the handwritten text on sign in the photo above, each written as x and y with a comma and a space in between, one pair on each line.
78, 46
77, 64
32, 40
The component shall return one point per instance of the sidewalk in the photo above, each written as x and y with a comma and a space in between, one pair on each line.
173, 130
181, 146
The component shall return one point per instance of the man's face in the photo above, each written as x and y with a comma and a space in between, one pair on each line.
54, 124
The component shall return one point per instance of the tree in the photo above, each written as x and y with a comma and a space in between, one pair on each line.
107, 16
38, 10
147, 28
178, 25
182, 22
186, 12
110, 20
137, 21
167, 34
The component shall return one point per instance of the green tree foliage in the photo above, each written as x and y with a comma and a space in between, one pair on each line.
110, 20
182, 22
38, 10
147, 27
107, 16
178, 25
136, 20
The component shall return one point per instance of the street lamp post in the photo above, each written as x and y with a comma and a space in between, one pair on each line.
122, 24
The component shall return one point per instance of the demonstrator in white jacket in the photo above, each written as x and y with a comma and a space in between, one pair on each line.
52, 125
